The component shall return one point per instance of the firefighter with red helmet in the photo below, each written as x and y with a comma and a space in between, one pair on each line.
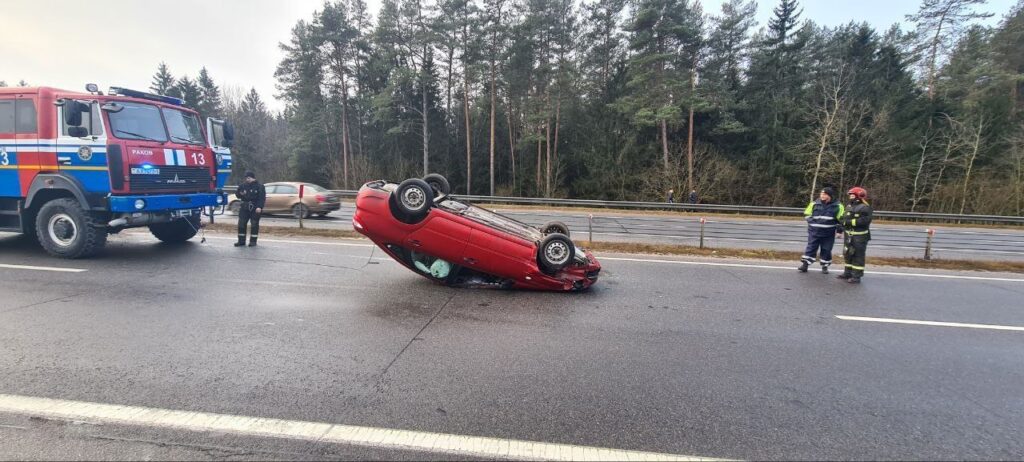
856, 222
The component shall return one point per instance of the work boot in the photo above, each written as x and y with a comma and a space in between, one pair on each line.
252, 242
239, 244
853, 280
845, 275
803, 267
824, 270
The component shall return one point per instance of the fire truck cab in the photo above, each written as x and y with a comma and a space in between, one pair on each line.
75, 167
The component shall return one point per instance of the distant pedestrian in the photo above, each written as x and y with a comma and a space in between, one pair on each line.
822, 217
671, 196
856, 223
253, 196
693, 197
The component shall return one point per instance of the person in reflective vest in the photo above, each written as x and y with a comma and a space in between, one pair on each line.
822, 217
857, 226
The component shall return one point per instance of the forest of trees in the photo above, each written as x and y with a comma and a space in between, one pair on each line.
624, 99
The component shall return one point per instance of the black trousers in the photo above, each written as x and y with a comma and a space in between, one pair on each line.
247, 214
816, 240
855, 253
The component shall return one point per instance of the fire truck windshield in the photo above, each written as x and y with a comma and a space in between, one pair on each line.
184, 127
136, 121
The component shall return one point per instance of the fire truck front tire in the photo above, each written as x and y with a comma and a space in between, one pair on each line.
176, 231
67, 230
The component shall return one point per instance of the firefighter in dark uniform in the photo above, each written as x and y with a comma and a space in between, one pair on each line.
822, 217
857, 226
253, 196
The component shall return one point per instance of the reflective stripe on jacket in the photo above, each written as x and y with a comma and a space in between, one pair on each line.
824, 216
857, 219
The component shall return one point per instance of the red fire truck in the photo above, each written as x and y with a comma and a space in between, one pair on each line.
77, 166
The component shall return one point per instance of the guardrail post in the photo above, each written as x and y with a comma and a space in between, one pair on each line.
928, 244
590, 226
702, 221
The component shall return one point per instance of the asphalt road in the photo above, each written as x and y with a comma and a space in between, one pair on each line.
710, 358
751, 233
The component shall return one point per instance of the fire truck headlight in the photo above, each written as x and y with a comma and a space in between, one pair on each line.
140, 204
220, 200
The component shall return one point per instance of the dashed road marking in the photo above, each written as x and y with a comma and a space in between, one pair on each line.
290, 241
43, 268
440, 443
930, 323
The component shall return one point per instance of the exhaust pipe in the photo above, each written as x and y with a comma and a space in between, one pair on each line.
118, 222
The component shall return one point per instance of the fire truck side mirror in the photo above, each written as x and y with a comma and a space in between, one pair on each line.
73, 112
78, 132
229, 135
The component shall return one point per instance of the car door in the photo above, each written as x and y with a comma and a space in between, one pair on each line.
441, 235
284, 197
498, 253
271, 190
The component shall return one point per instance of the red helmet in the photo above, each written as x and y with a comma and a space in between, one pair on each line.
858, 192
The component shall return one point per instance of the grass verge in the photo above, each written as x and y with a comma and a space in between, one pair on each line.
686, 250
720, 215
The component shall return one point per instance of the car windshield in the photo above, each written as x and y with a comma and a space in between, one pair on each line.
184, 127
493, 220
137, 121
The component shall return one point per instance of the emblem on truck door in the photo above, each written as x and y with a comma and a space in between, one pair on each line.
85, 153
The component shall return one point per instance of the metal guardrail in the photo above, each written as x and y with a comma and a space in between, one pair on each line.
718, 208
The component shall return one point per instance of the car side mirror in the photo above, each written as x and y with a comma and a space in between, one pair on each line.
73, 112
78, 131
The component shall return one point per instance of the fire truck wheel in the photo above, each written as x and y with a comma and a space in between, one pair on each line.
176, 231
67, 230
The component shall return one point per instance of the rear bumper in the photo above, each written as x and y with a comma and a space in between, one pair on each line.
156, 203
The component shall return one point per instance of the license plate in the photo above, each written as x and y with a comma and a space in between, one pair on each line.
181, 213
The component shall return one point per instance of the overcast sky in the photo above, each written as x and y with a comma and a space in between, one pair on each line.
67, 43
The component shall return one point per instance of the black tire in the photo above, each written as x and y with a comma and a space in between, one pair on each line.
300, 210
176, 231
412, 199
439, 184
234, 207
555, 253
67, 230
552, 227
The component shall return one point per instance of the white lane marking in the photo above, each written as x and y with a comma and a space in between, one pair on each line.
287, 241
930, 323
44, 268
461, 445
787, 268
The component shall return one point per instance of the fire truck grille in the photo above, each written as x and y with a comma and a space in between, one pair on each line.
170, 178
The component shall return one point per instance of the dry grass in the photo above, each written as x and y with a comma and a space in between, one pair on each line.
697, 215
669, 249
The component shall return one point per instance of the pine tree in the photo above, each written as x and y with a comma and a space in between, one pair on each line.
163, 81
189, 91
209, 93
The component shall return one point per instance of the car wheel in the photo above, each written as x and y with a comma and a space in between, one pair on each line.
300, 211
234, 207
555, 253
412, 199
552, 227
439, 184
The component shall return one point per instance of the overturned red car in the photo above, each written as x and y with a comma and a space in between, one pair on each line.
419, 224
